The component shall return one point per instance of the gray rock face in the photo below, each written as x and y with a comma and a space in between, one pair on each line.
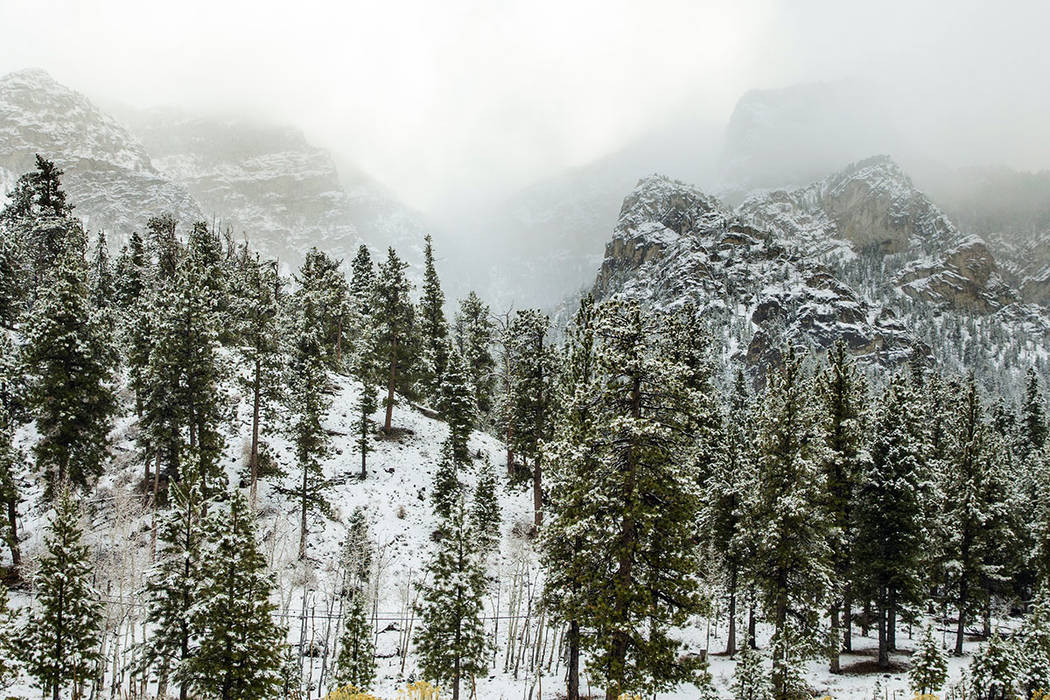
674, 244
109, 175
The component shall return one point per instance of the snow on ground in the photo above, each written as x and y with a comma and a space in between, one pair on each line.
395, 496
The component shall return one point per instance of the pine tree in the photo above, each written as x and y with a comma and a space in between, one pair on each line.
238, 650
643, 504
1034, 425
323, 283
433, 328
485, 514
750, 678
992, 672
457, 404
572, 454
129, 275
257, 308
474, 333
11, 465
726, 490
929, 667
791, 563
356, 666
172, 585
101, 282
974, 507
888, 513
530, 395
70, 359
362, 281
308, 403
841, 396
447, 490
395, 330
62, 636
363, 368
1033, 650
8, 642
358, 551
451, 642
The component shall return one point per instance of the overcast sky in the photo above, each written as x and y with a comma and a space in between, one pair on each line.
436, 97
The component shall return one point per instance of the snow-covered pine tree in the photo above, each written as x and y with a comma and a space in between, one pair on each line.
750, 677
642, 505
129, 274
12, 462
485, 514
992, 672
321, 280
841, 395
433, 329
571, 452
725, 496
356, 665
1034, 425
238, 645
162, 245
1032, 649
451, 641
173, 585
362, 281
456, 403
257, 312
100, 277
70, 360
60, 640
363, 369
530, 393
394, 323
308, 402
8, 642
474, 333
974, 508
888, 511
791, 562
447, 490
929, 667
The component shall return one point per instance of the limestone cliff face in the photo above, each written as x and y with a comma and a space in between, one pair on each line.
964, 278
674, 244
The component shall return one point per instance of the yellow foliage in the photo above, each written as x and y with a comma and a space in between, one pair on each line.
420, 690
628, 696
925, 696
349, 692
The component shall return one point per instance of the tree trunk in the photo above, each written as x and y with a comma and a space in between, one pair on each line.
364, 452
303, 524
256, 400
12, 533
391, 378
847, 621
752, 622
866, 619
884, 656
537, 492
833, 665
573, 690
891, 622
960, 627
731, 637
780, 649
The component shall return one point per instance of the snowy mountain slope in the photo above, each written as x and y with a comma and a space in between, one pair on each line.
109, 174
675, 244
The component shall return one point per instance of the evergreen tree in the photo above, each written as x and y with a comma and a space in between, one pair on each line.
485, 515
173, 586
451, 642
323, 283
395, 329
530, 394
308, 403
447, 489
888, 512
974, 507
101, 282
791, 564
363, 368
356, 666
129, 275
841, 397
1033, 650
8, 642
238, 650
433, 328
362, 282
61, 639
643, 504
162, 245
70, 360
257, 308
474, 333
750, 678
11, 465
358, 551
572, 453
457, 404
1033, 420
929, 667
992, 673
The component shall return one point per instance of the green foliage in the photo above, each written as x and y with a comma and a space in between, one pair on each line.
60, 641
929, 666
356, 665
750, 677
485, 515
395, 330
238, 646
433, 329
456, 402
473, 335
992, 674
447, 490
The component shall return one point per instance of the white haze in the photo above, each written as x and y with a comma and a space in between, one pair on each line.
453, 103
